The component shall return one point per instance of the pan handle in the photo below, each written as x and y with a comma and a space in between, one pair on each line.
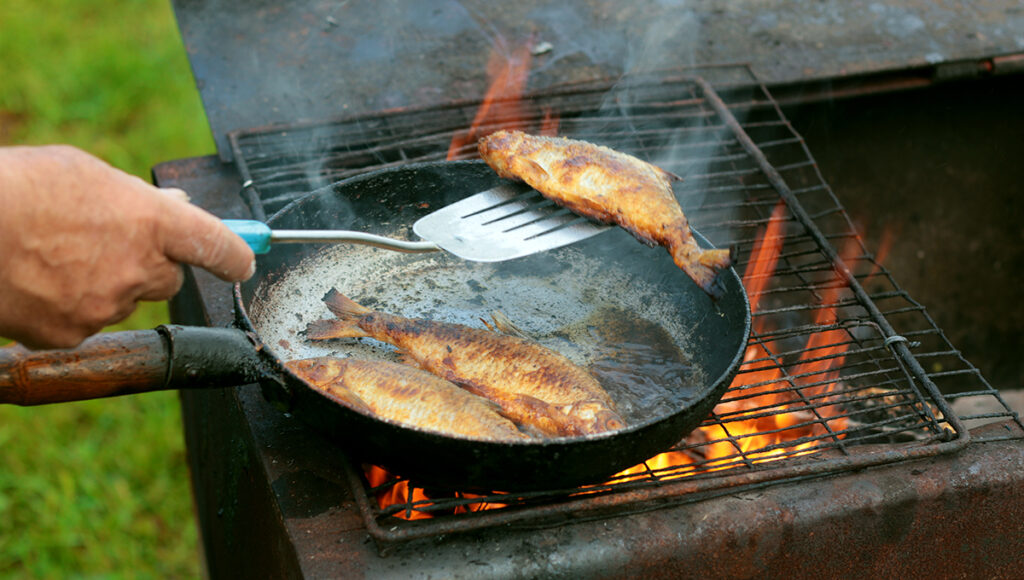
122, 363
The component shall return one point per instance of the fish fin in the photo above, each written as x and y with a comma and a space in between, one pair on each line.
540, 417
492, 405
407, 358
504, 324
532, 172
531, 431
347, 397
342, 306
543, 416
671, 176
329, 328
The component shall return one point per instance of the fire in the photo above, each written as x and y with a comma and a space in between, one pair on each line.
762, 417
396, 491
400, 492
751, 423
885, 244
765, 415
502, 105
761, 385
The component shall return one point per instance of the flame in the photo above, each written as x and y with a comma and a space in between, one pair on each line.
392, 490
762, 417
765, 415
399, 492
761, 387
761, 411
502, 106
884, 246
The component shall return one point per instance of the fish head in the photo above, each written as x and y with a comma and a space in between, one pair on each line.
317, 370
595, 417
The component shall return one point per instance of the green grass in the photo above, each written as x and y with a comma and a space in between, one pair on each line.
99, 488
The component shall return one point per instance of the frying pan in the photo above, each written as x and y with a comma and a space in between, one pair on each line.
663, 349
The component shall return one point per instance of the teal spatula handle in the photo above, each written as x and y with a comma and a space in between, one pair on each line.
259, 236
256, 234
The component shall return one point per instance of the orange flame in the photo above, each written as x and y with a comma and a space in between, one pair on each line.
398, 493
884, 246
417, 502
502, 105
759, 389
815, 375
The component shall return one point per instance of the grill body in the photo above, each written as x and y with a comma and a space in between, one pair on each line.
274, 499
267, 487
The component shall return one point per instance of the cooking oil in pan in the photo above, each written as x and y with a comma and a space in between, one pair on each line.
635, 359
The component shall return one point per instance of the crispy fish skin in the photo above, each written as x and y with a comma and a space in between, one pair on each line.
407, 395
535, 386
610, 187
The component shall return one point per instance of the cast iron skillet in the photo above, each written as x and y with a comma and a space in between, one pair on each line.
284, 296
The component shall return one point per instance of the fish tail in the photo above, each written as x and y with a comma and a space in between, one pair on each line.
333, 328
703, 266
344, 307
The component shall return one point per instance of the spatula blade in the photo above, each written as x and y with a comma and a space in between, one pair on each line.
509, 221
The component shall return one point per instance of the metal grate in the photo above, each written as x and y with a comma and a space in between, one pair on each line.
843, 369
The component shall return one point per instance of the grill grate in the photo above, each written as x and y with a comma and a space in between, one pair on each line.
842, 364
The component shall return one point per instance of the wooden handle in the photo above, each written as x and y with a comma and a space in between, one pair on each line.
105, 365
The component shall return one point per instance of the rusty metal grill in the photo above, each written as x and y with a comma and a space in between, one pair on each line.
841, 360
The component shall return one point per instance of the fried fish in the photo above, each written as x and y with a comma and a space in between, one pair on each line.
408, 396
610, 187
536, 387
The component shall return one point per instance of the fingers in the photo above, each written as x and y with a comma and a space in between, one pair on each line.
193, 236
41, 340
175, 193
163, 284
62, 331
187, 234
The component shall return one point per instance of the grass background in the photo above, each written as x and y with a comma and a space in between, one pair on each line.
98, 488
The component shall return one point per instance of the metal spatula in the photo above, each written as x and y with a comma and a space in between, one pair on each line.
506, 222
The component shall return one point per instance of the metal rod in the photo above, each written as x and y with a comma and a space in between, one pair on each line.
363, 238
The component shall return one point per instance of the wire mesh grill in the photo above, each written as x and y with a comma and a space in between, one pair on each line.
843, 368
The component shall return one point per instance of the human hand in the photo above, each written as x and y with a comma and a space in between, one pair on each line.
81, 242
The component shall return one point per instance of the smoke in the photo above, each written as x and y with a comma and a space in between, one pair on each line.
279, 63
685, 140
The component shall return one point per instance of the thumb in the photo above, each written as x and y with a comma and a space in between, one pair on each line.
193, 236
